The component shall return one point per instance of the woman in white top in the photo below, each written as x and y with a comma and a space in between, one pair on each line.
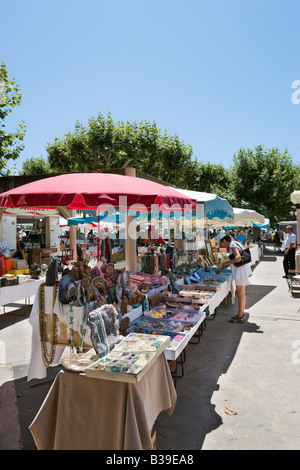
239, 274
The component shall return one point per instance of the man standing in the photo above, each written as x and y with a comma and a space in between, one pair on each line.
290, 250
241, 237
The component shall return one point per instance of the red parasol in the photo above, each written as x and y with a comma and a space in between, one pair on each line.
90, 190
78, 191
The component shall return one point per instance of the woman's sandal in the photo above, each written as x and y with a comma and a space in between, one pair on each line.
238, 319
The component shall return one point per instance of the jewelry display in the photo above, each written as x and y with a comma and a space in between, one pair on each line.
47, 357
130, 359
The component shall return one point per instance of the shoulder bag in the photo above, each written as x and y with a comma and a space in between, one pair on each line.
245, 255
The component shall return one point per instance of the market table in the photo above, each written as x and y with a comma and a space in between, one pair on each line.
225, 287
37, 368
10, 294
85, 413
255, 254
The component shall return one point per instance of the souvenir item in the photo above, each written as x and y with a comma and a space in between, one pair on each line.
130, 359
82, 329
78, 362
104, 329
100, 284
52, 273
47, 357
67, 289
35, 272
98, 333
95, 272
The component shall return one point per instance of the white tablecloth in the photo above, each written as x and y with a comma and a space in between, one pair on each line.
255, 257
24, 290
220, 295
37, 369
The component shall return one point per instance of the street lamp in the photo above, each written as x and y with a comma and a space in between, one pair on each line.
295, 198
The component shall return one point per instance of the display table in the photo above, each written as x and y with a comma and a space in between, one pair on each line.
84, 413
24, 290
255, 254
225, 287
37, 368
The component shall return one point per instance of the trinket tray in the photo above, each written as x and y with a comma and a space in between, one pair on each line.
161, 326
198, 292
130, 359
174, 299
184, 314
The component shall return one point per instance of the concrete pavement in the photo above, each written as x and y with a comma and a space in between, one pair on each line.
252, 369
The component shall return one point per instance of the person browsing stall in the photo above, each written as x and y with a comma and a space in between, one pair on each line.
241, 237
289, 261
240, 275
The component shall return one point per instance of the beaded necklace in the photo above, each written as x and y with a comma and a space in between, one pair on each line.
82, 327
47, 357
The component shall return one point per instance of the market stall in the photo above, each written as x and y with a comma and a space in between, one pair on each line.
99, 414
216, 210
24, 289
98, 191
28, 232
245, 217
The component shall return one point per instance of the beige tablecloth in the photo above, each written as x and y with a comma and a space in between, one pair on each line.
84, 413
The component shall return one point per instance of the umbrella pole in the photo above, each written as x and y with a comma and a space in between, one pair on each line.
73, 244
130, 245
98, 241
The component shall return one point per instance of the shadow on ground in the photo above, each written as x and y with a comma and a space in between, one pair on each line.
194, 415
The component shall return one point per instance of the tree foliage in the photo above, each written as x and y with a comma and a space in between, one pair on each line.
35, 166
259, 179
11, 143
104, 144
263, 180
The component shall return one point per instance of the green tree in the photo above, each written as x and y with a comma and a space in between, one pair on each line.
104, 144
263, 180
35, 166
206, 177
11, 143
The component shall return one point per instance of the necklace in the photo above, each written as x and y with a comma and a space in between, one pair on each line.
47, 357
82, 327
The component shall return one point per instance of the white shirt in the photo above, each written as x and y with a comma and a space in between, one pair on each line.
290, 238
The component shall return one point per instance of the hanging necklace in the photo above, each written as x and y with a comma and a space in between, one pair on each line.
82, 327
47, 357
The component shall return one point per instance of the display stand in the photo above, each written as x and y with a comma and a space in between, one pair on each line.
92, 414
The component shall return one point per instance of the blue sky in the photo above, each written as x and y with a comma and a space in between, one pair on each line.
217, 73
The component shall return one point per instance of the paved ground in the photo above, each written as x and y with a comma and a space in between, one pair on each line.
253, 369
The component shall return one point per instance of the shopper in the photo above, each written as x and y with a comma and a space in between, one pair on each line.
289, 251
241, 237
276, 240
239, 274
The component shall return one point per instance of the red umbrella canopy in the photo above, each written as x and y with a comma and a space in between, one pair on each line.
91, 190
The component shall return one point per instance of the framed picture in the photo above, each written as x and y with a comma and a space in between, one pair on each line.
209, 253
